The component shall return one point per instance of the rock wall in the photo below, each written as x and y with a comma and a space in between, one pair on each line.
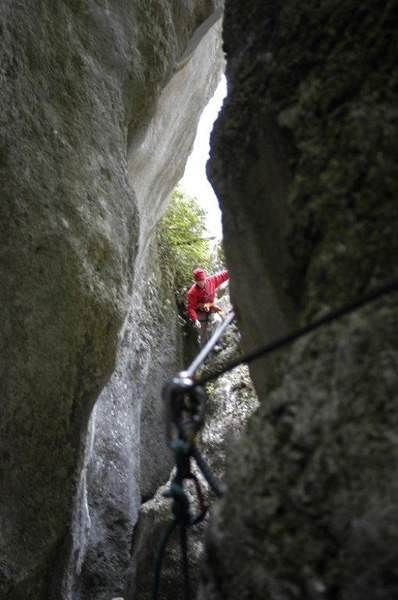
86, 129
304, 162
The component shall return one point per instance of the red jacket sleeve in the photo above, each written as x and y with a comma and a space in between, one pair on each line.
219, 278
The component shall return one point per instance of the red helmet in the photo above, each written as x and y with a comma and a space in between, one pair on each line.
199, 274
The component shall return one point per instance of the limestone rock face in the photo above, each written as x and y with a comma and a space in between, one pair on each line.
304, 162
129, 458
84, 121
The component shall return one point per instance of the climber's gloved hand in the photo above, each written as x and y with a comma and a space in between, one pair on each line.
197, 324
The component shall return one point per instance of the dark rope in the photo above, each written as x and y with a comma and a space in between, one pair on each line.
185, 561
208, 475
182, 516
291, 337
159, 557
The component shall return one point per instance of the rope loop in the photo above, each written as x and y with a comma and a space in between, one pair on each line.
181, 510
181, 506
183, 452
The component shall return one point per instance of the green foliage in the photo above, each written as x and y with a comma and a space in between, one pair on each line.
182, 242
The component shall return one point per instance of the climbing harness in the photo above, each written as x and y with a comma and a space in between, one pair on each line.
186, 399
208, 307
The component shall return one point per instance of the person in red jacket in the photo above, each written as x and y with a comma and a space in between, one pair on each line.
201, 309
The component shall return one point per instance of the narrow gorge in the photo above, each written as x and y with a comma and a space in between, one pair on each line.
100, 100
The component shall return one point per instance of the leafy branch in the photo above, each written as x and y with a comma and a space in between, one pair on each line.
182, 242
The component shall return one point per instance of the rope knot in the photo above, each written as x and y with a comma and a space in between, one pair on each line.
181, 506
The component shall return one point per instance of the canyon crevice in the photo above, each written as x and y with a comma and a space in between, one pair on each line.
99, 105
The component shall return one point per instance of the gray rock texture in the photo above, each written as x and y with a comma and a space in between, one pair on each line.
304, 159
99, 103
129, 417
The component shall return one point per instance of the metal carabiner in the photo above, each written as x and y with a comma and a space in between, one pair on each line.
185, 406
